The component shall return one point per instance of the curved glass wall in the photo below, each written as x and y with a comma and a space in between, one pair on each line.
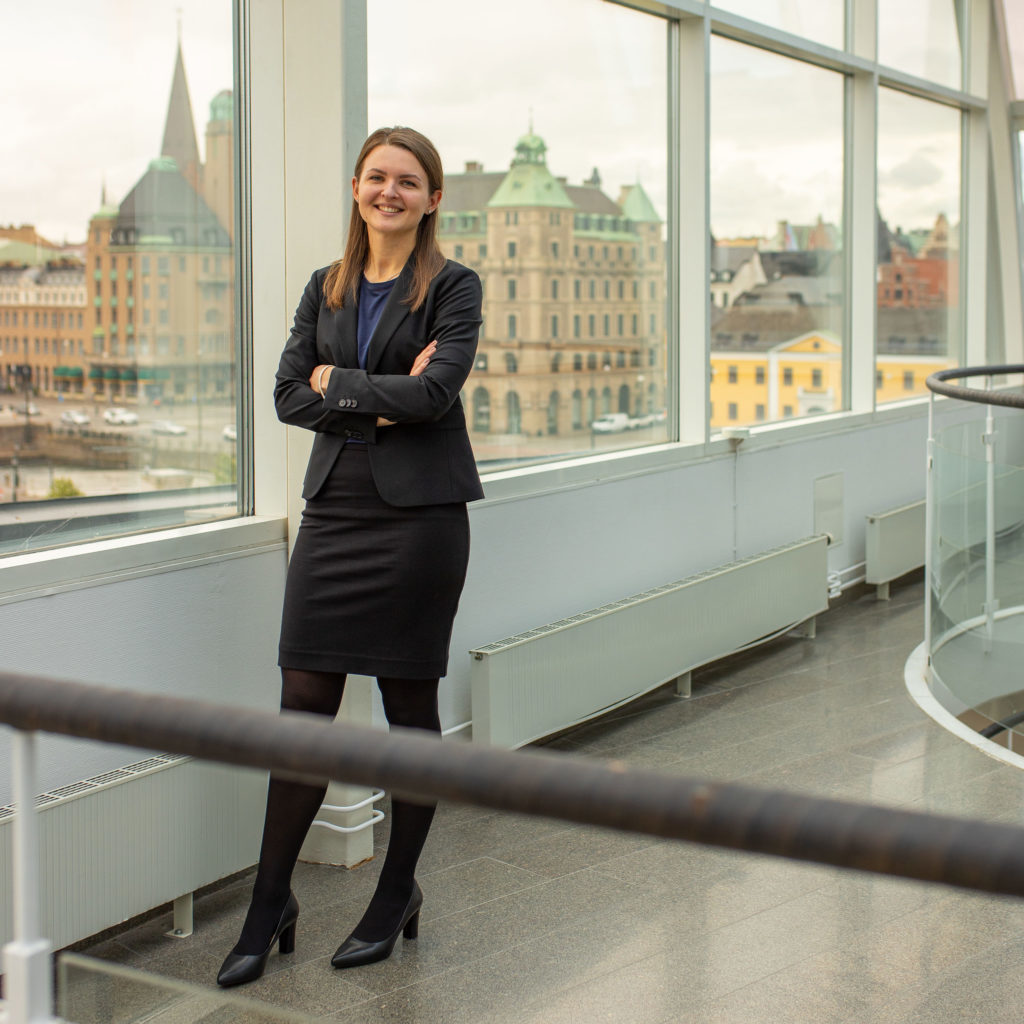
977, 573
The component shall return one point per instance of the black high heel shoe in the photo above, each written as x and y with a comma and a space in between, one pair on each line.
355, 952
240, 968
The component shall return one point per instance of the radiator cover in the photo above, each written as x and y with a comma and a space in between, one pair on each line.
121, 843
536, 683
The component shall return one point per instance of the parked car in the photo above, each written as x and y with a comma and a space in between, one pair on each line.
229, 433
32, 409
74, 418
611, 423
167, 427
118, 417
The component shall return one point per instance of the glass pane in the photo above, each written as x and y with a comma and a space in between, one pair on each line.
96, 992
918, 243
922, 38
555, 193
117, 290
977, 575
818, 20
777, 293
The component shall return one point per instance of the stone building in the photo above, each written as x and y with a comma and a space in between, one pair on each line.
574, 300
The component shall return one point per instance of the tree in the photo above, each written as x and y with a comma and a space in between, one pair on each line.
64, 487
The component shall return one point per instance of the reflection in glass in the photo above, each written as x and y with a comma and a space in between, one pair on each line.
818, 20
91, 991
562, 216
777, 294
918, 243
922, 38
117, 353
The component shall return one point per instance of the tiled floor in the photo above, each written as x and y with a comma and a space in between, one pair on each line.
530, 921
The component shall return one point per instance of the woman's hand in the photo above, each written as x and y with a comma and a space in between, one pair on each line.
319, 377
419, 364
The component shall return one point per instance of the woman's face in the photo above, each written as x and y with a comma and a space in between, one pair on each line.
392, 191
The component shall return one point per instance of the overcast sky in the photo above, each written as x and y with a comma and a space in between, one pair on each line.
94, 79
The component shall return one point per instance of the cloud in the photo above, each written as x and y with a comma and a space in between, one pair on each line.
916, 172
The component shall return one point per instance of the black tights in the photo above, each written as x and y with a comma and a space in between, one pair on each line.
292, 806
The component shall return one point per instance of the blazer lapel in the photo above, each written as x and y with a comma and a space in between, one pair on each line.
395, 311
343, 344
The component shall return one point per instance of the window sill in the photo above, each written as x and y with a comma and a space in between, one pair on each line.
587, 470
55, 570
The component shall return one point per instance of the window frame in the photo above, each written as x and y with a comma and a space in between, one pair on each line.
271, 274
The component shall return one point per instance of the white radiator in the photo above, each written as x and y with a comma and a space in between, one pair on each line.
536, 683
129, 840
895, 545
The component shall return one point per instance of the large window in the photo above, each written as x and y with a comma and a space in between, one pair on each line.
819, 20
919, 324
777, 294
559, 176
121, 413
922, 37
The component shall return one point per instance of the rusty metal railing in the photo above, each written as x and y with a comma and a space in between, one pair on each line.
908, 844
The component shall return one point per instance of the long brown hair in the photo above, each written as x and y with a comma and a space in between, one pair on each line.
342, 279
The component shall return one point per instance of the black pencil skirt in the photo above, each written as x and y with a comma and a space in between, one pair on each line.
372, 588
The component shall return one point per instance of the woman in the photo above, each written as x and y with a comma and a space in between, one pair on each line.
383, 342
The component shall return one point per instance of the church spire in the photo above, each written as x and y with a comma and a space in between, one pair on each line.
179, 129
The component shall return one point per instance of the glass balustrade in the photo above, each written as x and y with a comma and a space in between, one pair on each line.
976, 573
96, 992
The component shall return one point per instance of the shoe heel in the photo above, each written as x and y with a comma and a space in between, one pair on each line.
412, 926
287, 941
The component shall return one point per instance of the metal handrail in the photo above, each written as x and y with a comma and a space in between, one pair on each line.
936, 383
969, 854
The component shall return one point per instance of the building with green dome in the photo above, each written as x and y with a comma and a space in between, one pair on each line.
574, 300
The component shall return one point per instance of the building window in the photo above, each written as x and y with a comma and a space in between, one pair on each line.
512, 325
733, 411
511, 363
734, 374
759, 411
481, 410
554, 288
458, 252
554, 326
554, 250
511, 250
577, 361
908, 380
787, 376
816, 377
514, 416
511, 285
879, 379
758, 374
576, 325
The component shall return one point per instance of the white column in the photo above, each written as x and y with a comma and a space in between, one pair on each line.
28, 974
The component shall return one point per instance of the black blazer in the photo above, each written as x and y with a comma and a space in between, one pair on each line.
425, 458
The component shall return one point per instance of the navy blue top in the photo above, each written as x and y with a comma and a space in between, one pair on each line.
370, 303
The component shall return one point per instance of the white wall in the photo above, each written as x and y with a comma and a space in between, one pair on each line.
207, 632
211, 631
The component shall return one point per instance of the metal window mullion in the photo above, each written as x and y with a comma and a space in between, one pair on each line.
860, 230
690, 70
973, 237
244, 459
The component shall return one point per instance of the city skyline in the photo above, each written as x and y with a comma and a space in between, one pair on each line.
583, 103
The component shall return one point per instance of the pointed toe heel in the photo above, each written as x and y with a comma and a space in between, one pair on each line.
241, 968
355, 952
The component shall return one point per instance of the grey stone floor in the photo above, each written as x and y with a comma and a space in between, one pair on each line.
528, 920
